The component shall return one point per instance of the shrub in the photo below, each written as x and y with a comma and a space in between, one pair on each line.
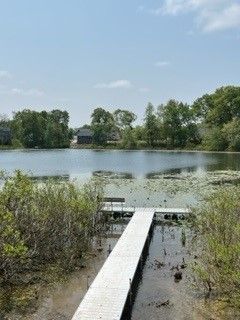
218, 229
43, 223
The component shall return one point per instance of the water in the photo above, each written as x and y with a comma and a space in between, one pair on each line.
137, 164
159, 296
133, 175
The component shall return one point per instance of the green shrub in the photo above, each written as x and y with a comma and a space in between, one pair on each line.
218, 229
45, 223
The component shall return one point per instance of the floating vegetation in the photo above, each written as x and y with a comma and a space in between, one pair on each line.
166, 189
112, 175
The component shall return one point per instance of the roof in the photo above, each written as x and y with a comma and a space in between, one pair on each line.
84, 132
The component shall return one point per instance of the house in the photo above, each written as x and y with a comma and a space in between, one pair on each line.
84, 136
5, 135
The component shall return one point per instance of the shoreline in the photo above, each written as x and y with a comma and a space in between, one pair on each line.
120, 149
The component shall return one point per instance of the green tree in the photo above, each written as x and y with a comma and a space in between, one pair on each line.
129, 140
178, 125
102, 125
214, 140
124, 118
41, 129
231, 132
220, 107
151, 125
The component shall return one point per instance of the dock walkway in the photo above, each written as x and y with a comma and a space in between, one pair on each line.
107, 207
107, 297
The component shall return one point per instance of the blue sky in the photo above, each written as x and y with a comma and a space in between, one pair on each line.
81, 54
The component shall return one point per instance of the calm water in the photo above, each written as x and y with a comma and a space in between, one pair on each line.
130, 174
137, 164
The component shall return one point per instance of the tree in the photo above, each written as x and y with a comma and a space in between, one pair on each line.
231, 132
151, 125
129, 140
124, 118
219, 112
41, 129
214, 140
4, 121
177, 123
220, 107
102, 125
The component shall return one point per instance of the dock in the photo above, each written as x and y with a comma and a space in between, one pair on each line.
110, 294
157, 210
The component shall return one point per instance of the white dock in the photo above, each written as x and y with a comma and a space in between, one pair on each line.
107, 296
107, 207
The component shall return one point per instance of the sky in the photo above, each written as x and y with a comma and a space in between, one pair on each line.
77, 55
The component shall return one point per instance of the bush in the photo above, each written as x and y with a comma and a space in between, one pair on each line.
45, 223
218, 229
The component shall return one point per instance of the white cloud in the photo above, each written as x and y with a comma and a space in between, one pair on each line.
228, 18
124, 84
5, 74
161, 64
210, 15
29, 92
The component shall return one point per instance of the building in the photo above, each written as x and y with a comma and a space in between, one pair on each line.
5, 135
84, 136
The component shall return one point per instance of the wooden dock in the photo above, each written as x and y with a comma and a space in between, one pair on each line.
110, 293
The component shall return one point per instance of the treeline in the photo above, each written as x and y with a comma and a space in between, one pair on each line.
212, 122
32, 129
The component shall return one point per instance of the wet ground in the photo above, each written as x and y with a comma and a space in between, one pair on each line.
59, 302
159, 295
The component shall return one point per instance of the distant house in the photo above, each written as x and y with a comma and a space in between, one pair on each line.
84, 136
5, 135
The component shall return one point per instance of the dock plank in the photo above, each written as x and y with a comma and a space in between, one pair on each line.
107, 295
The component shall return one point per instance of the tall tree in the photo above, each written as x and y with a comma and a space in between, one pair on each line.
178, 123
151, 125
124, 119
102, 125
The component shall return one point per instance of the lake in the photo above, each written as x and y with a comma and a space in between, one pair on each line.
135, 175
83, 163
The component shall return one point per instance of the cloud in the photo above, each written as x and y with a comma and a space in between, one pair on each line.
228, 18
5, 74
161, 64
29, 92
118, 84
210, 15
